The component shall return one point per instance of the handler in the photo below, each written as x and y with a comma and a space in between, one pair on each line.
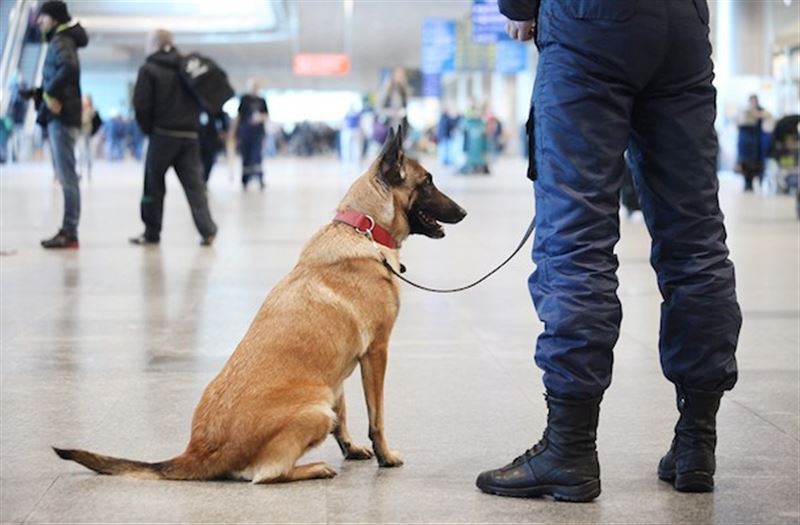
612, 75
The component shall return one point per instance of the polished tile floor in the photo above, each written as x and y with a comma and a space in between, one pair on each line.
109, 347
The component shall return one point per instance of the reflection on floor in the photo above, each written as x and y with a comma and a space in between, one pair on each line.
109, 347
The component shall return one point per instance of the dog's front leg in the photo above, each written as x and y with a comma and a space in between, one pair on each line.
342, 435
373, 370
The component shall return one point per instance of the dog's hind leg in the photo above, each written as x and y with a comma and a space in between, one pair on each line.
277, 461
342, 435
319, 470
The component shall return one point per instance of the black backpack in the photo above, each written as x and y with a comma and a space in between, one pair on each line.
206, 81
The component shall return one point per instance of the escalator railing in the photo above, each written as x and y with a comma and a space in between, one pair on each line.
21, 54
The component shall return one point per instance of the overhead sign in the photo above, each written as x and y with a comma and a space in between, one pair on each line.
431, 85
512, 56
321, 64
488, 25
471, 56
438, 45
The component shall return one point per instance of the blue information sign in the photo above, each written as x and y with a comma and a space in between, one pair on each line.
512, 56
488, 25
438, 45
431, 85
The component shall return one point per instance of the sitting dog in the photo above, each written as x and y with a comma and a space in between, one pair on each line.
280, 393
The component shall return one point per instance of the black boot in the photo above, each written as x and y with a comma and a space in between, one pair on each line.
62, 239
144, 240
689, 464
563, 464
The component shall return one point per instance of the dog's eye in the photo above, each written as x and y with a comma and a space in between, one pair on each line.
428, 179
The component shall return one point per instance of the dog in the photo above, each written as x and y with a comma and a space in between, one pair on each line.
281, 392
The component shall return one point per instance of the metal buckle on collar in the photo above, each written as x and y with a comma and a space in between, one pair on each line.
368, 231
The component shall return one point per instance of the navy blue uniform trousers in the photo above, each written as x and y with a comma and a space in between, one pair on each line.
612, 75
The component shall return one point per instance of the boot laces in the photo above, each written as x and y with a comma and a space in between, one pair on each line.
533, 450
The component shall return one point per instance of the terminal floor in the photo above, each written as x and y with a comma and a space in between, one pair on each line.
109, 347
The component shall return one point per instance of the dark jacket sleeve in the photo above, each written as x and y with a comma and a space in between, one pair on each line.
519, 10
66, 67
143, 100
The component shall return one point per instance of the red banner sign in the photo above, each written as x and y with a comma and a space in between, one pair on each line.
321, 64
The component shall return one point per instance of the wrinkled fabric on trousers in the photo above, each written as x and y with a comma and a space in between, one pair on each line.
183, 155
616, 75
62, 149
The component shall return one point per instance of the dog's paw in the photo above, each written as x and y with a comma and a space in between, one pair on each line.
358, 452
390, 460
325, 471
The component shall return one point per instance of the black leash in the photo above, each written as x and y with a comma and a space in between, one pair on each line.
467, 287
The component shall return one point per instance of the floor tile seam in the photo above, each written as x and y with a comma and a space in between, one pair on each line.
508, 373
477, 335
29, 323
765, 420
98, 424
41, 498
489, 344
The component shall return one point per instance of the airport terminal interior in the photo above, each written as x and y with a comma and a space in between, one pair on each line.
107, 345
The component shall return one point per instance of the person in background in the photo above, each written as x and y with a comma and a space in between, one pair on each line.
394, 101
476, 143
249, 130
350, 137
171, 117
17, 110
58, 103
134, 138
6, 128
494, 130
90, 123
448, 123
213, 131
751, 147
613, 75
115, 132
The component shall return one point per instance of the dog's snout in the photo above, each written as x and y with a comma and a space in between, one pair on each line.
454, 214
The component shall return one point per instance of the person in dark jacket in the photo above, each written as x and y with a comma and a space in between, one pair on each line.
614, 74
59, 106
253, 115
213, 130
168, 113
17, 110
751, 150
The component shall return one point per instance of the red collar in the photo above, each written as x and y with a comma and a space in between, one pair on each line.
366, 225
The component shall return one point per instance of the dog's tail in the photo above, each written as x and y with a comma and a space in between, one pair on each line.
178, 468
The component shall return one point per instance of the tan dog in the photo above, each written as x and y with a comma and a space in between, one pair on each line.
280, 393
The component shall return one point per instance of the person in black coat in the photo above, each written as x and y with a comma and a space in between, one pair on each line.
59, 106
170, 115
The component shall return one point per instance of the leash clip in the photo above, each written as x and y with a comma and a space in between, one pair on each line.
368, 231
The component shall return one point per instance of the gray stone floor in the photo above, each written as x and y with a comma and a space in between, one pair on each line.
109, 347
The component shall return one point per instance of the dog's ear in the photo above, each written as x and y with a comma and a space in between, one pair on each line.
390, 164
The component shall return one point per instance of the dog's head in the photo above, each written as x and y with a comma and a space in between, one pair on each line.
418, 204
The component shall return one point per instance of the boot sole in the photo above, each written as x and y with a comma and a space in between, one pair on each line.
689, 482
70, 246
694, 482
576, 493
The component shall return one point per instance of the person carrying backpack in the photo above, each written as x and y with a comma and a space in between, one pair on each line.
170, 115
